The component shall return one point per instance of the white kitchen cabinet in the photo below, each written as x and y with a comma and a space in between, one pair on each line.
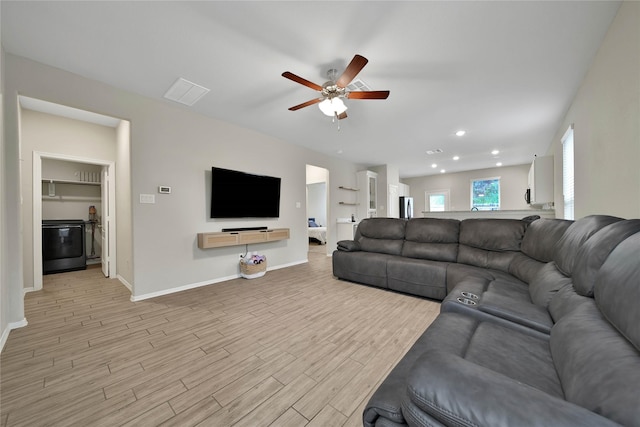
367, 194
541, 181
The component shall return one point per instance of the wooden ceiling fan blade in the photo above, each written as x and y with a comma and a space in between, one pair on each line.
304, 82
369, 94
305, 104
355, 66
342, 116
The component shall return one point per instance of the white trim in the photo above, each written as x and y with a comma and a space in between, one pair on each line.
125, 283
142, 297
27, 290
37, 213
11, 326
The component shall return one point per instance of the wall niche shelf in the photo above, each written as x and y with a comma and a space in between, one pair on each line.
236, 238
342, 187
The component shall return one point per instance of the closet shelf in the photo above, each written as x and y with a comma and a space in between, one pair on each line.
68, 181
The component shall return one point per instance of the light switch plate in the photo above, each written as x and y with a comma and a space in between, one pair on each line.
147, 198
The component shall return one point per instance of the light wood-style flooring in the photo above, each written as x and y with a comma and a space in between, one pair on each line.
296, 347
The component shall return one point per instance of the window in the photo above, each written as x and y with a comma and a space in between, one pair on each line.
436, 201
568, 193
485, 194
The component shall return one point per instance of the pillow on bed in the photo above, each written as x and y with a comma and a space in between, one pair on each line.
312, 222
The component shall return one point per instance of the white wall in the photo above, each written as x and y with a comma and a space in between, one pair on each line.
513, 184
606, 117
172, 146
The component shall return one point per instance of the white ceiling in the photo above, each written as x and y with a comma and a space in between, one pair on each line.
505, 72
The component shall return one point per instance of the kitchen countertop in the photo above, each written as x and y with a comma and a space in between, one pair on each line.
509, 214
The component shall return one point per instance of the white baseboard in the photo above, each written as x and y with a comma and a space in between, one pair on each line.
125, 283
27, 290
135, 298
11, 326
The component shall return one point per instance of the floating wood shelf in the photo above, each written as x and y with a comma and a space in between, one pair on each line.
348, 188
348, 204
235, 238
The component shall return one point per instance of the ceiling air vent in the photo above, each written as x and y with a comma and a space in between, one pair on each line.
185, 92
435, 151
357, 85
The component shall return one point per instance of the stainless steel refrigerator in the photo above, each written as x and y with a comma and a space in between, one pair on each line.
406, 207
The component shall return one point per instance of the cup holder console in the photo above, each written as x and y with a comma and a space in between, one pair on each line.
468, 295
466, 301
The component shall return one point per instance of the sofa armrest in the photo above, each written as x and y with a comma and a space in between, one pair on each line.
455, 391
348, 246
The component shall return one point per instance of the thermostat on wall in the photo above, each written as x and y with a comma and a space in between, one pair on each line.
163, 189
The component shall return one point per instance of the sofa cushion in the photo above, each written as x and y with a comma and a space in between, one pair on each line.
579, 232
541, 237
524, 268
595, 251
445, 389
546, 283
564, 302
362, 267
457, 273
417, 277
381, 235
432, 238
595, 347
598, 368
492, 234
617, 290
490, 243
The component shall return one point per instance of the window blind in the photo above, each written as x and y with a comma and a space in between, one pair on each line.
568, 193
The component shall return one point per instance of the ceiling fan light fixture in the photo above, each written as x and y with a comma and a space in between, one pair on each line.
332, 107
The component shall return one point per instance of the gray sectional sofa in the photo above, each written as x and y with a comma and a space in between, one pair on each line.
539, 322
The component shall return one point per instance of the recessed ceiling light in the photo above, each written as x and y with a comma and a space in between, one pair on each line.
494, 152
499, 164
442, 171
433, 165
456, 157
461, 132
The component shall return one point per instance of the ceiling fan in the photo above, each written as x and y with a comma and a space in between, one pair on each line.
335, 90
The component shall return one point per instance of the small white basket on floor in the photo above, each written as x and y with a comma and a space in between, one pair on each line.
253, 271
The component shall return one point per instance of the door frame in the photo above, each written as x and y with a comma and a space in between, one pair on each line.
37, 209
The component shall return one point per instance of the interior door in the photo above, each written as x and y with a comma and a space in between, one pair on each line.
104, 223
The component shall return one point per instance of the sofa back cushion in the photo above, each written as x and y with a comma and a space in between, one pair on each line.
595, 348
541, 237
432, 238
381, 235
546, 283
490, 243
617, 289
579, 232
595, 251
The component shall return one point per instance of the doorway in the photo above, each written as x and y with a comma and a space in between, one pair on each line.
317, 209
107, 207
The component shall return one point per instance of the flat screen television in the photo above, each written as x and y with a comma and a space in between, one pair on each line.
236, 194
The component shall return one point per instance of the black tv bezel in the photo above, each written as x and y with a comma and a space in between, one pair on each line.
272, 200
